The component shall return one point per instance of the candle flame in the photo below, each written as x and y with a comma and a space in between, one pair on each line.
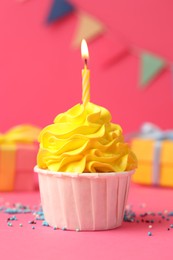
84, 50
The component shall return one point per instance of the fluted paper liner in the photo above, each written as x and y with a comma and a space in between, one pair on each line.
87, 201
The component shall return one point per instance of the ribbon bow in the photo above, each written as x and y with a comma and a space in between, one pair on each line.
151, 131
26, 134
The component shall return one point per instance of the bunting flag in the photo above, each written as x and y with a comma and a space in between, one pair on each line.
88, 28
151, 66
59, 9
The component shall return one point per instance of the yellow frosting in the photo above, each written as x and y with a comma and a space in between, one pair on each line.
83, 139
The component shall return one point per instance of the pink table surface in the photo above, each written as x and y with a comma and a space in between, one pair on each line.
130, 241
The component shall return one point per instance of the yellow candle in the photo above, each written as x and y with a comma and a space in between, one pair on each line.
85, 74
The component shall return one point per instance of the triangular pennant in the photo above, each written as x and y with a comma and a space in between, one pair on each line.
88, 28
150, 67
59, 9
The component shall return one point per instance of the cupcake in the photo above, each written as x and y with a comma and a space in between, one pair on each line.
84, 168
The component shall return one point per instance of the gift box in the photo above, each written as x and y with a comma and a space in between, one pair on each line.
154, 151
18, 152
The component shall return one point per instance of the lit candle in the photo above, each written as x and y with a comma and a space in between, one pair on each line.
85, 74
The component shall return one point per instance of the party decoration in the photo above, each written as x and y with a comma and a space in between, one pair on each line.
59, 9
154, 149
150, 67
88, 28
17, 157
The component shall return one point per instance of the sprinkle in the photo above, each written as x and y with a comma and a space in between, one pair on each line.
170, 214
12, 211
32, 222
20, 225
77, 229
150, 226
64, 228
149, 234
44, 223
9, 224
171, 226
55, 228
168, 219
33, 227
168, 229
143, 215
40, 218
129, 216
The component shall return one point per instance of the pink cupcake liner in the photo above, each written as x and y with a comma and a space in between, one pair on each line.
87, 201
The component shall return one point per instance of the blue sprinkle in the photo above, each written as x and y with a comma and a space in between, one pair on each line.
12, 211
13, 218
26, 211
149, 233
33, 227
171, 226
170, 214
40, 218
44, 223
40, 213
9, 224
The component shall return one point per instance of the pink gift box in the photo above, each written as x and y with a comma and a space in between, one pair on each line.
20, 176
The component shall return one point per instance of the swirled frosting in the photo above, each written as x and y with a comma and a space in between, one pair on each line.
83, 139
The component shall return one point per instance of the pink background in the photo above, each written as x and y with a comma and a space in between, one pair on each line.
40, 73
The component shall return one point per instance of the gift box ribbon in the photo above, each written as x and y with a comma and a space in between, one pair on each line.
151, 131
22, 134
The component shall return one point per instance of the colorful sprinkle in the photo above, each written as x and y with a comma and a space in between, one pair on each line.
149, 234
32, 222
44, 223
64, 228
170, 214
